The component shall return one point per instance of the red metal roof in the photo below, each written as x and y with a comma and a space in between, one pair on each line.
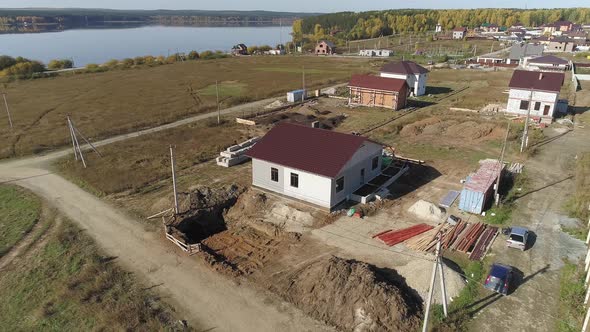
377, 83
537, 80
485, 176
403, 67
460, 29
313, 150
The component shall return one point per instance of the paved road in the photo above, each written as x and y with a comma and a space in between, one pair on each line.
203, 296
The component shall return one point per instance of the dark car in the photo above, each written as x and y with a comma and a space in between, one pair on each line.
499, 278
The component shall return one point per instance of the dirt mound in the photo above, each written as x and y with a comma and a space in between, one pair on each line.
471, 129
438, 128
250, 204
353, 296
417, 127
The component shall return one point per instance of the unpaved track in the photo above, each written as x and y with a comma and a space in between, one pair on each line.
206, 298
534, 304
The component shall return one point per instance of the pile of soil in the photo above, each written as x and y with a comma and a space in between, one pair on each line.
352, 295
471, 129
417, 127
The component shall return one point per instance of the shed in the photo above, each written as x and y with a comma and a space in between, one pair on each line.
479, 187
296, 95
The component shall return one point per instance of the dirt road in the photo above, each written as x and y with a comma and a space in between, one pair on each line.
205, 297
532, 306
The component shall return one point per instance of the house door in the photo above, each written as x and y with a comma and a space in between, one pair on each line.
546, 110
363, 176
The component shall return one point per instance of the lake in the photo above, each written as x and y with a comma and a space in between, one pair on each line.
100, 45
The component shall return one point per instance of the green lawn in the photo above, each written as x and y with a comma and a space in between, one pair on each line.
19, 211
66, 285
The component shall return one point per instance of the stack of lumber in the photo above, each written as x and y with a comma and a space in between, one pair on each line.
392, 238
471, 238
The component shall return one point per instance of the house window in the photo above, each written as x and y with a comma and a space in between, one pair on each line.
537, 106
524, 104
340, 184
294, 180
375, 163
274, 174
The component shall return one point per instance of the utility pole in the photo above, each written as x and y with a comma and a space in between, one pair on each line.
174, 180
218, 107
7, 110
303, 94
496, 196
437, 265
75, 142
525, 133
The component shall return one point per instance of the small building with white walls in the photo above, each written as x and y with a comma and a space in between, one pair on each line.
535, 92
317, 166
414, 74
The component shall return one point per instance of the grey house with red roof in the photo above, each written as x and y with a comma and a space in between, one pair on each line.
536, 92
414, 74
317, 166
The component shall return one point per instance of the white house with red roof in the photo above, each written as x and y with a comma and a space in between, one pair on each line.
414, 74
317, 166
535, 92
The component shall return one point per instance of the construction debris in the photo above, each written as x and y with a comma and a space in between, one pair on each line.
392, 238
236, 154
516, 168
352, 295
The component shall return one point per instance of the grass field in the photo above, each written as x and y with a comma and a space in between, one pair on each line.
119, 101
135, 163
65, 284
19, 211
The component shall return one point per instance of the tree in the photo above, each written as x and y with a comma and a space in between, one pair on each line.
6, 61
193, 55
60, 64
128, 62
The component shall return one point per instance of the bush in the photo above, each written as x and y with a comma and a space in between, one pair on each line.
94, 68
112, 63
24, 69
60, 64
138, 60
172, 58
6, 61
193, 55
128, 62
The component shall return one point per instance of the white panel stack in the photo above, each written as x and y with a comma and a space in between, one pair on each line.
236, 154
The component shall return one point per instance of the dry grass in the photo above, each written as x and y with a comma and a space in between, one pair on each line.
19, 212
485, 87
65, 284
119, 101
135, 163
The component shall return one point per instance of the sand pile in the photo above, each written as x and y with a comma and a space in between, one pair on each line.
353, 296
427, 211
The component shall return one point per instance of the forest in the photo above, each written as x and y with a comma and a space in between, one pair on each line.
353, 26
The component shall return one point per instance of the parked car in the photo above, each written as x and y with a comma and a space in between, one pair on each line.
518, 238
499, 278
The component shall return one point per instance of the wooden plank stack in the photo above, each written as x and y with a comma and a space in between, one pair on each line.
473, 239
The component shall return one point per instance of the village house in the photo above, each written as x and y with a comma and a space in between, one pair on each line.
239, 49
559, 26
548, 63
325, 47
489, 28
519, 52
534, 92
375, 91
560, 44
414, 74
459, 33
318, 166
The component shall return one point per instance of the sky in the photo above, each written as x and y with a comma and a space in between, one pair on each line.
294, 6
